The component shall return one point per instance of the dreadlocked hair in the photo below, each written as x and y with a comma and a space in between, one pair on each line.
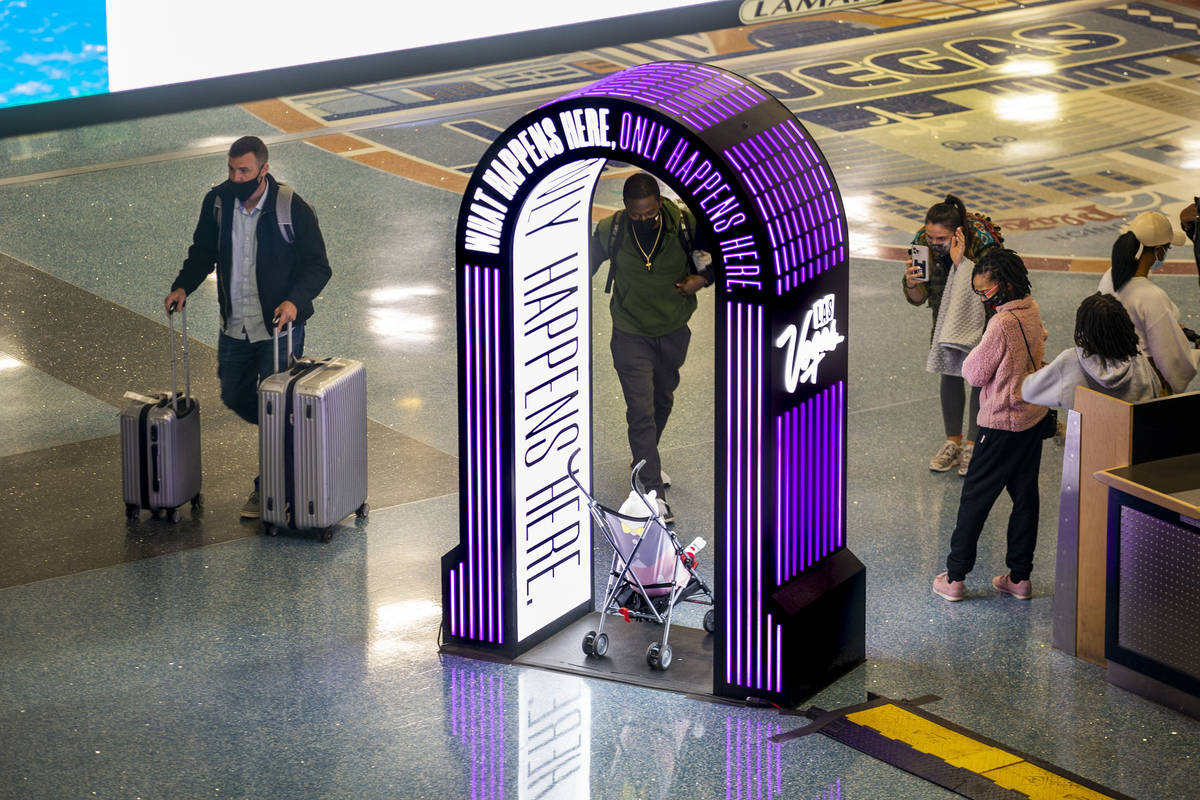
952, 214
1124, 259
1103, 328
1006, 268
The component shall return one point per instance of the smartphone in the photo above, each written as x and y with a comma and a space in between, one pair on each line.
919, 255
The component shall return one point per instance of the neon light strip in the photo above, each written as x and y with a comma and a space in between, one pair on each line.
453, 604
810, 482
477, 722
753, 763
497, 465
756, 523
477, 445
780, 167
476, 585
840, 465
750, 645
469, 325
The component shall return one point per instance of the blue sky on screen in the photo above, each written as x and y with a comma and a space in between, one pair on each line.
52, 50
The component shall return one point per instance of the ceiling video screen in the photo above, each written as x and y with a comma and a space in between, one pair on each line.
57, 50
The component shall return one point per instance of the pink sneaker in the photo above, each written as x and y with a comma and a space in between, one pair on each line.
1022, 590
947, 589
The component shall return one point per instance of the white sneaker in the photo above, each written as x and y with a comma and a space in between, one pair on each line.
665, 513
946, 457
964, 457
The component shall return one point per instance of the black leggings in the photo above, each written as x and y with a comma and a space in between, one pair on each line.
953, 397
1004, 460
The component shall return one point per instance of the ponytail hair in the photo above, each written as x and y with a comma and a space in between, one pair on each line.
952, 214
1124, 259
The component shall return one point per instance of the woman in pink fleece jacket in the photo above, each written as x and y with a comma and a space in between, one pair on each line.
1008, 452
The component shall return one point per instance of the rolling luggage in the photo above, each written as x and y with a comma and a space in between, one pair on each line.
312, 443
160, 445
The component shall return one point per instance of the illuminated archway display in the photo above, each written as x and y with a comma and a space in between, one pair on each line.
789, 594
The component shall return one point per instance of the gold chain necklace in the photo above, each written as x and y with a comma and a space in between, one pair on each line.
645, 255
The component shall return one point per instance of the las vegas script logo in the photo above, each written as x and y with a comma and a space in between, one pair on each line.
807, 347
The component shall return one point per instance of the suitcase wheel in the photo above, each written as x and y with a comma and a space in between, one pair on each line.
173, 515
132, 513
197, 501
363, 511
269, 529
156, 513
326, 534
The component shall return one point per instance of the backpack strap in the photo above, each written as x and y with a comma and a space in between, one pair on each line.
1021, 327
615, 235
283, 212
685, 241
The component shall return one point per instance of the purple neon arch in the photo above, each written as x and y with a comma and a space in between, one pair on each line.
781, 458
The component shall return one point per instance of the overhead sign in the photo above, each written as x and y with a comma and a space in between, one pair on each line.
755, 11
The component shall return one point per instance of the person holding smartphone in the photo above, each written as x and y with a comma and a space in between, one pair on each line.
951, 236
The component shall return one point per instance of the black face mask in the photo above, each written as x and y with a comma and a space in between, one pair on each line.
998, 299
645, 228
241, 191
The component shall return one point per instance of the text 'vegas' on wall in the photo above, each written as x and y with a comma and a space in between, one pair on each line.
673, 150
894, 68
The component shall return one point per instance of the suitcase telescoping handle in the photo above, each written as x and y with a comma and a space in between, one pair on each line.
187, 371
290, 358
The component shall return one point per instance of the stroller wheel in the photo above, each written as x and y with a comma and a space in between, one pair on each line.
600, 644
658, 656
710, 620
589, 643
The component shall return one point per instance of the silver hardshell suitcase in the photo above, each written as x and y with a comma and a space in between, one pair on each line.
160, 445
312, 443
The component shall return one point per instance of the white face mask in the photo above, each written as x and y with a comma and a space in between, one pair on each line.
1158, 262
1161, 253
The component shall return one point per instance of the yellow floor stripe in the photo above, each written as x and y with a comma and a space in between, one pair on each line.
1041, 784
952, 747
414, 169
1003, 768
282, 115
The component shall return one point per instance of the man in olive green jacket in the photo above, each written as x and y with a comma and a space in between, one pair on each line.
654, 274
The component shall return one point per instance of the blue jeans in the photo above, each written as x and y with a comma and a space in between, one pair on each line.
242, 364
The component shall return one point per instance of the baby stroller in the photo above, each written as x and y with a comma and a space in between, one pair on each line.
651, 571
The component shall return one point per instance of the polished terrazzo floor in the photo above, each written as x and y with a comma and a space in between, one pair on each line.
203, 660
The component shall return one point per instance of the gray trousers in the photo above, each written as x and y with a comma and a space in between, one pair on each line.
648, 367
